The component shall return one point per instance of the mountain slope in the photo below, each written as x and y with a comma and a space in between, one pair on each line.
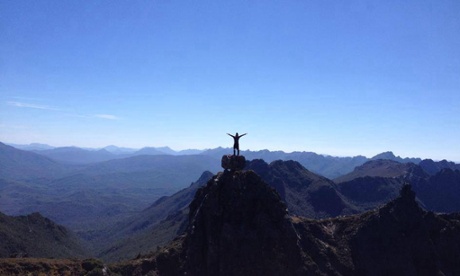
305, 193
17, 164
164, 163
378, 168
432, 167
440, 192
93, 197
154, 226
377, 182
36, 236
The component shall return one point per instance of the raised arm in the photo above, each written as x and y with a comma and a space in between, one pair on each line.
231, 135
242, 135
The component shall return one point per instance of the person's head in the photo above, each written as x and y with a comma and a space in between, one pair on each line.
237, 134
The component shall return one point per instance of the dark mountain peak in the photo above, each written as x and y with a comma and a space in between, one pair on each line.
402, 239
205, 176
404, 204
259, 166
237, 226
237, 192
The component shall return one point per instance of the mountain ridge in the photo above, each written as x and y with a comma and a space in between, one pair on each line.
239, 226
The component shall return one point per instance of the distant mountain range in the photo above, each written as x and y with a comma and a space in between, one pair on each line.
328, 166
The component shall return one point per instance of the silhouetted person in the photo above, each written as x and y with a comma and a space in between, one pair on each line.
236, 145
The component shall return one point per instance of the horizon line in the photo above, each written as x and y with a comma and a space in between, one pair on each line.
220, 147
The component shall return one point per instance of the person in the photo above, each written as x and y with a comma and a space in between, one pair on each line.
236, 145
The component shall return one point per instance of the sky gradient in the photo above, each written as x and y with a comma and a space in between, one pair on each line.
341, 78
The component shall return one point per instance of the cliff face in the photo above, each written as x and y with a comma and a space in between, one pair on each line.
239, 226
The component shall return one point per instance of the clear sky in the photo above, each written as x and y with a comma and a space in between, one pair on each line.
334, 77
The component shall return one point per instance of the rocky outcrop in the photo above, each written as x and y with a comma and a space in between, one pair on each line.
239, 226
233, 162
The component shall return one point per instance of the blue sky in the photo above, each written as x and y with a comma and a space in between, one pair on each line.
334, 77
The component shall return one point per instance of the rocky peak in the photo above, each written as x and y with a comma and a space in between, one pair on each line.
405, 207
239, 226
402, 239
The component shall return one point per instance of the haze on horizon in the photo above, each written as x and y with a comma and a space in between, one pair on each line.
330, 77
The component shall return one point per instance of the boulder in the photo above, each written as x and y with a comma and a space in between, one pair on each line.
233, 162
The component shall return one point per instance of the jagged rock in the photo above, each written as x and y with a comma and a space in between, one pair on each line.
238, 225
233, 162
402, 239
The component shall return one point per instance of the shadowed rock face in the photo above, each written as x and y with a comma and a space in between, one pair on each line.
239, 226
397, 239
305, 193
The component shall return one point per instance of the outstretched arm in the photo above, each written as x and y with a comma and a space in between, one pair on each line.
242, 135
231, 135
